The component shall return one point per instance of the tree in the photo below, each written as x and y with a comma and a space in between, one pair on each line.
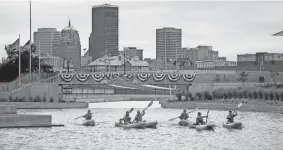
243, 77
11, 64
273, 75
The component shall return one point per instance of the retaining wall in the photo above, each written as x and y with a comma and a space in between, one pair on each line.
45, 105
221, 106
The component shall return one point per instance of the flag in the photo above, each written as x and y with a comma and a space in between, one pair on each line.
26, 46
11, 49
15, 45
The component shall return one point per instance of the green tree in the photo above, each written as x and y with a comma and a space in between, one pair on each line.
11, 64
243, 77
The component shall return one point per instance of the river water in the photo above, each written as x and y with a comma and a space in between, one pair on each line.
261, 131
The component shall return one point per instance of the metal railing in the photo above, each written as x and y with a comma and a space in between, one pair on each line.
26, 79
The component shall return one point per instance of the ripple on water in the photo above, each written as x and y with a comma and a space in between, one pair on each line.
261, 131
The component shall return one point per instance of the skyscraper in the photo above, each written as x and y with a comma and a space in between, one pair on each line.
168, 45
47, 38
70, 48
104, 37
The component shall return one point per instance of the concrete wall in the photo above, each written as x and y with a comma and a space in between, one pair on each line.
43, 105
16, 120
218, 106
7, 109
46, 90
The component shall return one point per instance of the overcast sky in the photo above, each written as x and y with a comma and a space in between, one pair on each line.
230, 27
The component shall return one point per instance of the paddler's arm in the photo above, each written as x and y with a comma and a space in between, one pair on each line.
235, 114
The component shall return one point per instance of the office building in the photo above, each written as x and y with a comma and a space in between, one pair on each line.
70, 48
45, 39
105, 30
168, 45
132, 52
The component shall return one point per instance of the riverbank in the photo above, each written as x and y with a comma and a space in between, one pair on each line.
223, 106
45, 105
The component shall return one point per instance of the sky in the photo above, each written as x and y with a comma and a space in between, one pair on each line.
230, 27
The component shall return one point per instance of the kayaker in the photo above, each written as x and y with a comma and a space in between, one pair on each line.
184, 115
127, 118
138, 117
88, 115
199, 119
230, 117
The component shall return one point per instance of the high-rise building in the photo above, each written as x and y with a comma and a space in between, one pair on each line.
45, 39
105, 31
168, 45
70, 48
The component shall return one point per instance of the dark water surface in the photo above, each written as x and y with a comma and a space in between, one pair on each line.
261, 131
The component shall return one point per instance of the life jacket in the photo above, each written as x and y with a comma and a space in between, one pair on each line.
230, 118
138, 117
184, 116
88, 116
199, 120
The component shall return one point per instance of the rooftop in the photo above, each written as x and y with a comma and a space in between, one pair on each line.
104, 5
117, 61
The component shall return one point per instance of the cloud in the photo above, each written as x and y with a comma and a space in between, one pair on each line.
230, 27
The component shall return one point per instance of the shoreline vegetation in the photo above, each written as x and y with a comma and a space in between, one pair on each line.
271, 93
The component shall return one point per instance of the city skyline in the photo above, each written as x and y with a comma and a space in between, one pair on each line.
251, 24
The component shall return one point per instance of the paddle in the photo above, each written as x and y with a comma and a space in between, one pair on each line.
207, 116
148, 106
187, 113
80, 117
239, 105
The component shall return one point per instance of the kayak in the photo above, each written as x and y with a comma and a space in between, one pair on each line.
152, 124
140, 125
205, 127
235, 125
185, 123
88, 123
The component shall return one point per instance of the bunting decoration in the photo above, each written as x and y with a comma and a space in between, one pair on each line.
143, 77
82, 77
173, 77
189, 77
113, 76
97, 77
128, 77
158, 77
67, 77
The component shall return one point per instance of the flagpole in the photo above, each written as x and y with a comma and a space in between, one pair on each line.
19, 60
30, 38
39, 60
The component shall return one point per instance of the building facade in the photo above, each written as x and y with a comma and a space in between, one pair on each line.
70, 48
105, 31
116, 64
132, 52
45, 39
200, 53
56, 62
262, 61
168, 45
